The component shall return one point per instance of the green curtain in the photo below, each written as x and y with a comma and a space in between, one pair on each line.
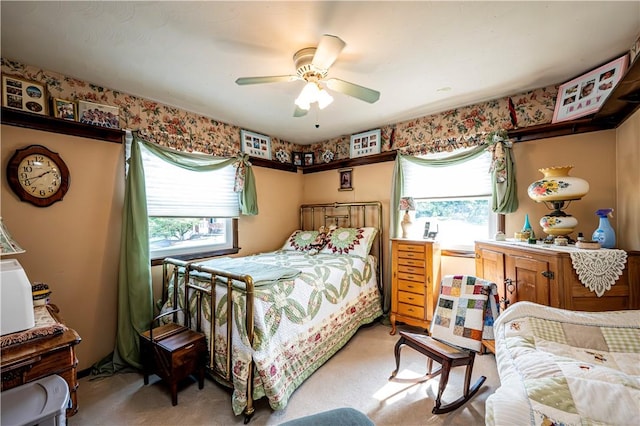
135, 296
504, 196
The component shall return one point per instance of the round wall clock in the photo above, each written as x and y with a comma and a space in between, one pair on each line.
38, 175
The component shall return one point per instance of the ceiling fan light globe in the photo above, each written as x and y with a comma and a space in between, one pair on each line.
324, 99
302, 104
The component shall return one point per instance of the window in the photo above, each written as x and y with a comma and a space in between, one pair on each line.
455, 200
191, 213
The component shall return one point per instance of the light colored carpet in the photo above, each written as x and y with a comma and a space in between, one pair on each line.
357, 377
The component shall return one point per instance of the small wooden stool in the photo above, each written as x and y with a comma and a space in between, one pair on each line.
173, 352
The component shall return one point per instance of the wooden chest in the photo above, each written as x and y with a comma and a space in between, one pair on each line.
174, 353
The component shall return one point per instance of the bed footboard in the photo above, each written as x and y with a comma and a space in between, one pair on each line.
205, 286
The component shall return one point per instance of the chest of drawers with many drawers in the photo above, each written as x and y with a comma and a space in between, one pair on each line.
415, 281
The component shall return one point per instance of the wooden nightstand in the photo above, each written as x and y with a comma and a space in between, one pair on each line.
43, 357
415, 281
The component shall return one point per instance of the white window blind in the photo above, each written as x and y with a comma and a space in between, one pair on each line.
468, 179
176, 192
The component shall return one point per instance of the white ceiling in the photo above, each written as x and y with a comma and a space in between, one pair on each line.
424, 57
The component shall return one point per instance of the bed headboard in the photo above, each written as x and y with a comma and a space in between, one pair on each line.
347, 215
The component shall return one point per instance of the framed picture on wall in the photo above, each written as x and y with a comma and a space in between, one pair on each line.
64, 109
98, 114
346, 179
586, 94
24, 95
365, 143
297, 158
308, 158
255, 144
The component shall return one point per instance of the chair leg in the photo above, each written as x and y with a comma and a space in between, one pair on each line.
396, 352
444, 378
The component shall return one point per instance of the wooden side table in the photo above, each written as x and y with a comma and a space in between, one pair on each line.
43, 357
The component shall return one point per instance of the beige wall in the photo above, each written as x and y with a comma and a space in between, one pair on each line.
593, 157
73, 245
628, 183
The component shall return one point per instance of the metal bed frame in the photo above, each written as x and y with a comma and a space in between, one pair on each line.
356, 214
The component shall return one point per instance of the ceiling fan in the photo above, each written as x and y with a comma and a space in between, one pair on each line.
312, 66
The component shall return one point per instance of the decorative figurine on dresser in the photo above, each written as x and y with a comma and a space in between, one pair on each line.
415, 281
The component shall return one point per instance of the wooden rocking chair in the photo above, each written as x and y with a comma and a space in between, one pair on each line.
456, 335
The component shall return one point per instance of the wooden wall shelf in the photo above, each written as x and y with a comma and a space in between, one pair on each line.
621, 104
351, 162
14, 117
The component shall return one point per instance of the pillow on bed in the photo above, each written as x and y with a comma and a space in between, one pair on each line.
351, 241
300, 240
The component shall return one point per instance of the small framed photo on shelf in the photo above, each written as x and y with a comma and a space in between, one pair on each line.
297, 158
346, 179
24, 95
255, 144
64, 109
365, 143
98, 114
586, 94
308, 158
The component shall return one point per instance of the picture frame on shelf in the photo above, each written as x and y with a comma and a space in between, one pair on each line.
308, 159
255, 145
64, 109
98, 114
365, 143
586, 94
24, 95
346, 179
297, 158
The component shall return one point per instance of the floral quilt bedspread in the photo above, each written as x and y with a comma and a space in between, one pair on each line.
299, 323
560, 367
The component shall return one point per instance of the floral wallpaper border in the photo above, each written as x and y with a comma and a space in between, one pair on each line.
186, 131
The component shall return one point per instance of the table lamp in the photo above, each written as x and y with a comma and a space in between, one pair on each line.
15, 288
557, 189
406, 204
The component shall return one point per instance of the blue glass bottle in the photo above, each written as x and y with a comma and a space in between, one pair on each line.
527, 227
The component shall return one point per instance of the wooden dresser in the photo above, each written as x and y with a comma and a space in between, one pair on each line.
415, 281
36, 359
546, 276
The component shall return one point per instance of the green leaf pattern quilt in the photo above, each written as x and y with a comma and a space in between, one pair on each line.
298, 323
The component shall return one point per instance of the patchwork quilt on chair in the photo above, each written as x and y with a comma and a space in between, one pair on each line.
466, 310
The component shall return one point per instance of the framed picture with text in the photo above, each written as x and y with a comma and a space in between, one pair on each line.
365, 143
586, 94
255, 144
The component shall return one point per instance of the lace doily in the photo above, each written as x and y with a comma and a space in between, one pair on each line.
598, 270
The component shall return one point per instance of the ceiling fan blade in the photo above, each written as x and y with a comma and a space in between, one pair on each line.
360, 92
327, 51
299, 112
270, 79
